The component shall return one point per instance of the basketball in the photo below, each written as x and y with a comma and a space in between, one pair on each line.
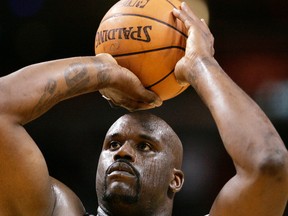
145, 37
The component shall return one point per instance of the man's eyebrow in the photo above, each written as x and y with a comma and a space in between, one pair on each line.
113, 135
142, 136
149, 138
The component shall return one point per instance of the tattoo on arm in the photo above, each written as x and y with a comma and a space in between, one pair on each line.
76, 77
43, 103
103, 79
103, 76
77, 80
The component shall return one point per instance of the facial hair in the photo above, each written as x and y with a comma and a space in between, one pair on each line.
128, 198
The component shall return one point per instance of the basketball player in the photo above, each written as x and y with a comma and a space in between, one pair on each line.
139, 169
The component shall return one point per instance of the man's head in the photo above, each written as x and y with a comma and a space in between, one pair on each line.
139, 166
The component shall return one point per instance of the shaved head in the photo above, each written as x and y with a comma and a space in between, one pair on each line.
156, 126
139, 166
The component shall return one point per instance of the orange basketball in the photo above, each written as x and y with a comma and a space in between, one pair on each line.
145, 37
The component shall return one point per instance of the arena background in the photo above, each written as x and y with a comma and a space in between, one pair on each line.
251, 45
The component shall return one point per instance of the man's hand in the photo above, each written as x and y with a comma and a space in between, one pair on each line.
124, 89
200, 42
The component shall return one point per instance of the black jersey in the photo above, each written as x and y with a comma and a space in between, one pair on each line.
87, 214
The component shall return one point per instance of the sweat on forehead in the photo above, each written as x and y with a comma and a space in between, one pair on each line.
147, 121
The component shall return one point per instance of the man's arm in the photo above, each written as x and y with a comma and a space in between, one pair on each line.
260, 186
25, 184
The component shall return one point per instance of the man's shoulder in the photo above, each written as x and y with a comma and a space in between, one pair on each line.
66, 200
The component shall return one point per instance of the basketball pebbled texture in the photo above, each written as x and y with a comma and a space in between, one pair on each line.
145, 37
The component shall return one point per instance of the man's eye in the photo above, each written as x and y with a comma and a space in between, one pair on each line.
144, 147
114, 145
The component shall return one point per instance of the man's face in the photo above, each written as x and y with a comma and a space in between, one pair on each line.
135, 163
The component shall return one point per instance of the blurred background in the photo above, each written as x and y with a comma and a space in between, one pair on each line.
251, 45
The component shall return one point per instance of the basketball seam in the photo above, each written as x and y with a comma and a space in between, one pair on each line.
171, 3
160, 80
148, 17
147, 51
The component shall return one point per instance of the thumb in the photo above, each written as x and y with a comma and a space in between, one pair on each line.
150, 97
179, 72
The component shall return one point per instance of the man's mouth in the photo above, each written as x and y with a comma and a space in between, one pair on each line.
121, 168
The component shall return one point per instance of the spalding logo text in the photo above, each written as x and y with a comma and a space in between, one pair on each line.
135, 3
140, 33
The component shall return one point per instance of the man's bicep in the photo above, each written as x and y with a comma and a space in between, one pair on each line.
244, 197
25, 182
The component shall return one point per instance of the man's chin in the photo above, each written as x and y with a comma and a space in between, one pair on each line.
121, 192
120, 198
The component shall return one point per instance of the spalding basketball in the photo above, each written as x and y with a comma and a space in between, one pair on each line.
145, 37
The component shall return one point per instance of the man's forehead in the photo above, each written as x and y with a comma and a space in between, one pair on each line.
135, 129
130, 124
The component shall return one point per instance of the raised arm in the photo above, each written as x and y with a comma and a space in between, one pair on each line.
32, 90
25, 185
260, 186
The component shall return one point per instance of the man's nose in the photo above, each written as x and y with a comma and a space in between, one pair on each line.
126, 151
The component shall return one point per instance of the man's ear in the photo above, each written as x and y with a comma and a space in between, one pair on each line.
177, 181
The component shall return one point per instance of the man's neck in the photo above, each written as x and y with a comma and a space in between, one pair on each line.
102, 212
